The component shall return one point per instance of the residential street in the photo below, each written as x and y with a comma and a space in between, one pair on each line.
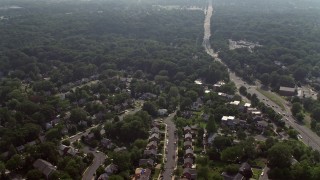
99, 158
171, 156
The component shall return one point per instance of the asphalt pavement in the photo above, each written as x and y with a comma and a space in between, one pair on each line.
171, 147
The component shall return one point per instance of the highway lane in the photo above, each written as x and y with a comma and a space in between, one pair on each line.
308, 137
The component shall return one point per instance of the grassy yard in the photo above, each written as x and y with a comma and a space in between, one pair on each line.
276, 99
256, 173
156, 173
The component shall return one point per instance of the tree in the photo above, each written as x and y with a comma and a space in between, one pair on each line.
316, 113
231, 154
279, 156
150, 107
232, 169
66, 142
211, 125
14, 163
78, 115
265, 79
300, 116
243, 90
221, 142
296, 108
34, 174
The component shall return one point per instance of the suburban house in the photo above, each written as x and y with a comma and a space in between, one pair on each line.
229, 120
187, 129
149, 153
262, 125
287, 91
111, 169
146, 162
154, 137
162, 112
187, 145
120, 149
142, 174
189, 173
188, 137
187, 163
155, 130
188, 153
245, 172
237, 176
106, 143
45, 167
236, 103
152, 145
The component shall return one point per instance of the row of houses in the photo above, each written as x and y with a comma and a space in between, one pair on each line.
143, 172
189, 167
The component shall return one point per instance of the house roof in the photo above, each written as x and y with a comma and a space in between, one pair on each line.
287, 89
44, 166
244, 166
150, 152
146, 162
189, 151
155, 130
262, 123
143, 173
226, 118
154, 135
186, 128
187, 143
111, 168
152, 143
188, 160
189, 171
188, 135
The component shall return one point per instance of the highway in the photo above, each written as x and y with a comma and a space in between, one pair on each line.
308, 137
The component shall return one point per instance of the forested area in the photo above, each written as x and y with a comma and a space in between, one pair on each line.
287, 30
64, 67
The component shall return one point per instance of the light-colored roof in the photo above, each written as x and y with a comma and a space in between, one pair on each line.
287, 89
247, 105
235, 102
226, 118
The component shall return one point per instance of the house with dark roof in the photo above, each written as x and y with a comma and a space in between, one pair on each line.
187, 162
187, 144
152, 145
187, 129
189, 173
155, 130
245, 170
188, 153
188, 137
227, 176
106, 143
146, 162
287, 91
111, 169
150, 153
154, 137
45, 167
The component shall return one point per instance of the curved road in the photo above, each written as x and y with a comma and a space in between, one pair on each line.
308, 137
